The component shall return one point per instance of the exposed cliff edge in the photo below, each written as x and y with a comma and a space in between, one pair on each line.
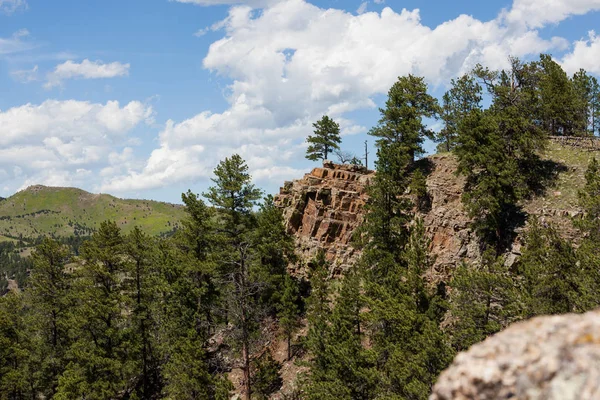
551, 358
323, 208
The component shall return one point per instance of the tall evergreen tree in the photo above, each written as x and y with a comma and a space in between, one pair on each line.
402, 118
289, 312
16, 380
49, 299
342, 367
274, 248
191, 306
485, 300
557, 99
325, 139
233, 197
583, 86
589, 200
554, 282
463, 97
142, 285
404, 318
497, 151
100, 364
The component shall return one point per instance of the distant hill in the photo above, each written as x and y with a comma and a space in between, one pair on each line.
41, 210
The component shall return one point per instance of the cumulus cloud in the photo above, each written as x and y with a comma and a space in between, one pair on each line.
10, 6
294, 62
57, 141
585, 54
85, 70
537, 13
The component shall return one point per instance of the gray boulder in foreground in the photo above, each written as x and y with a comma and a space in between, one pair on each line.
545, 358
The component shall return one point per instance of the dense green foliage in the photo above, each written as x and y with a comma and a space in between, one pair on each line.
131, 317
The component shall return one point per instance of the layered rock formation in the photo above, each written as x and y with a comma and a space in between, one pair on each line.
323, 209
545, 358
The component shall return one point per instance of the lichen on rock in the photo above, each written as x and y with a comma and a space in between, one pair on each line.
545, 358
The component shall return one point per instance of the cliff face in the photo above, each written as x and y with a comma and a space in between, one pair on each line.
324, 208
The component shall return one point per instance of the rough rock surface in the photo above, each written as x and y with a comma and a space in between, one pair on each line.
322, 210
545, 358
324, 207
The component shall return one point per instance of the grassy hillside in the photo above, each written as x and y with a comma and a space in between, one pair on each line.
40, 210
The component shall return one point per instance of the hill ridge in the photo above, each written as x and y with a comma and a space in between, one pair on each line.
65, 211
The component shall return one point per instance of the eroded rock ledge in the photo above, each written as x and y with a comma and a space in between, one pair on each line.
545, 358
323, 208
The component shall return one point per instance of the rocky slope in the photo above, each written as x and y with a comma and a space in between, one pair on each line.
323, 208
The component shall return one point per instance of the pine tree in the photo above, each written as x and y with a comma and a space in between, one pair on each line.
498, 150
588, 252
595, 107
554, 282
100, 364
583, 102
589, 200
289, 312
325, 140
485, 300
558, 104
190, 298
233, 197
402, 118
142, 285
266, 378
404, 322
49, 301
463, 97
274, 248
318, 310
16, 380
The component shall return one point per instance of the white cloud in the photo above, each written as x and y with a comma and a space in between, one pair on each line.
55, 141
537, 13
585, 54
25, 75
85, 70
10, 6
294, 62
15, 43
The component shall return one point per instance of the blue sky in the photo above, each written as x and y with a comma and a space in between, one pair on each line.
143, 98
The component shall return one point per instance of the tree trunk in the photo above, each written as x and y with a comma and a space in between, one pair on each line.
246, 368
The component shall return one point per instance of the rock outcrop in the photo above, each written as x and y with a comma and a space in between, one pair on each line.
323, 209
545, 358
